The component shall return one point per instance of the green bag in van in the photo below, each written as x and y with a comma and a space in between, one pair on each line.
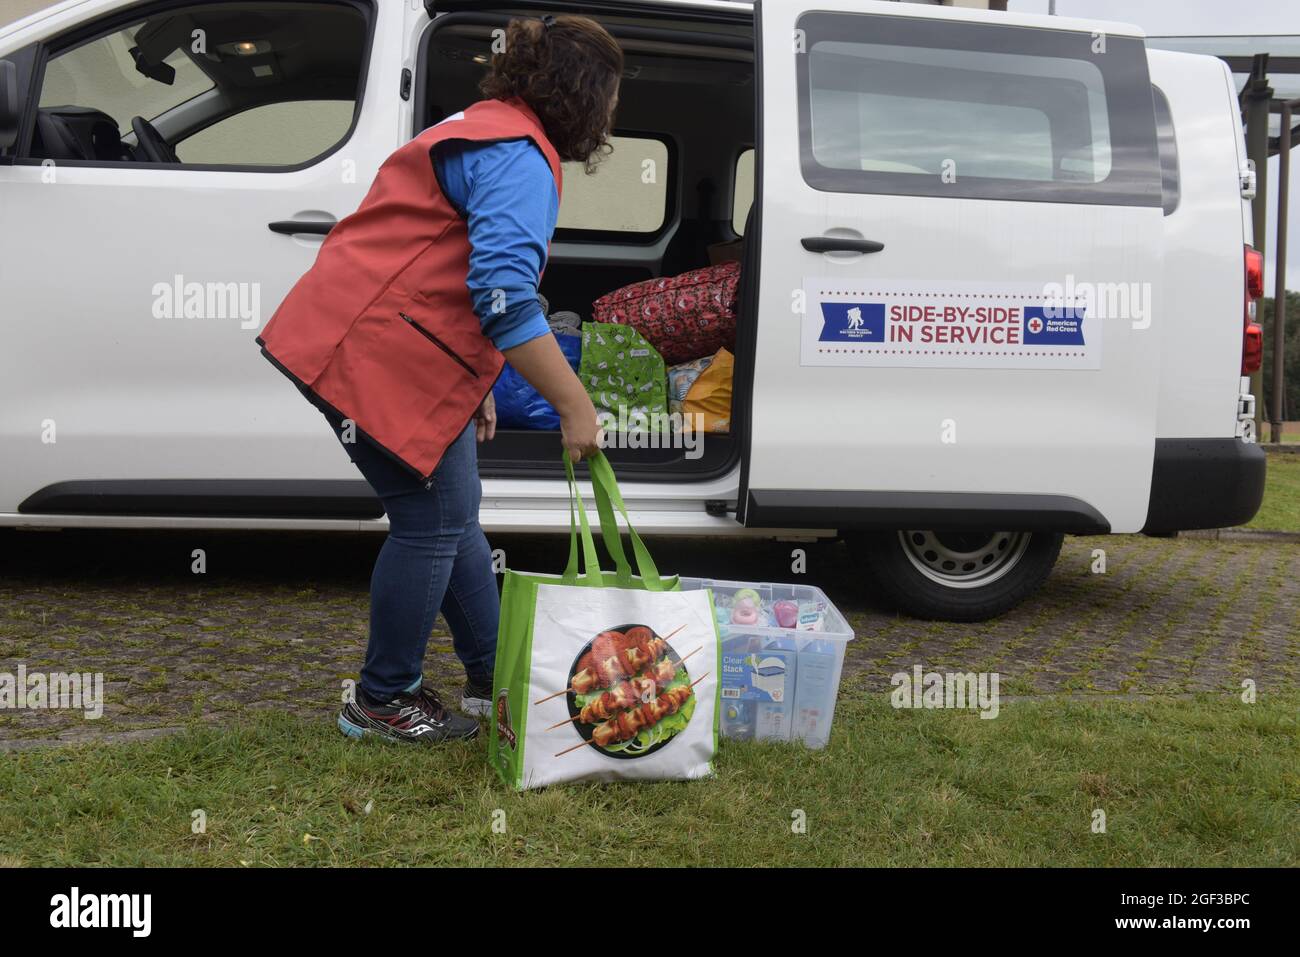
625, 377
604, 675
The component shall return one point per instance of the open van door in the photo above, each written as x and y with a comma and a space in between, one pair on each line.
960, 235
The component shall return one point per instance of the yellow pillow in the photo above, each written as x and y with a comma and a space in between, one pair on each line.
710, 395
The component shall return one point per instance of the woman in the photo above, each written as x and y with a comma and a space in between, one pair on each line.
401, 327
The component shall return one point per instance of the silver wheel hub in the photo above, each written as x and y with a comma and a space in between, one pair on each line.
964, 559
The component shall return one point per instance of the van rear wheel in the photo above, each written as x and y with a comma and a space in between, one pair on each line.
957, 576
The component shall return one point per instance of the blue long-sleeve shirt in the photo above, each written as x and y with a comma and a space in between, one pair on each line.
507, 195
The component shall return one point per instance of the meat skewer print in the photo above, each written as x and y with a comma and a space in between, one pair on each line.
614, 654
629, 693
628, 724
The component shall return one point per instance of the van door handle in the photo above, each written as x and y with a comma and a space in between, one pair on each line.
834, 244
290, 226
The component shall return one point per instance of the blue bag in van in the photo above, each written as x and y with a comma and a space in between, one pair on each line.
519, 405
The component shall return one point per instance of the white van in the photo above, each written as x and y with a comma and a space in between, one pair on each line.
995, 285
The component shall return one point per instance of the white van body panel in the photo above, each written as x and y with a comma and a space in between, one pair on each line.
217, 410
1203, 300
56, 17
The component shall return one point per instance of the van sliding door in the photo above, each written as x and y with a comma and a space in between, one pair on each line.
959, 272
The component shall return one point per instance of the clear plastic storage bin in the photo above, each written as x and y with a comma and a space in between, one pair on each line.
782, 654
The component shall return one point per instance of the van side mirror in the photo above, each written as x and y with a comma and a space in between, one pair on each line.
8, 105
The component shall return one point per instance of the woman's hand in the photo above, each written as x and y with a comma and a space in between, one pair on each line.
485, 418
580, 432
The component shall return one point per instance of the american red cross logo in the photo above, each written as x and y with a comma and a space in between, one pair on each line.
1035, 324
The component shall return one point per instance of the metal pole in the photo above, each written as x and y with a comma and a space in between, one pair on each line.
1279, 279
1257, 95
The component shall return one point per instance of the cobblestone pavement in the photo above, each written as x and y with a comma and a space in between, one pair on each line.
279, 620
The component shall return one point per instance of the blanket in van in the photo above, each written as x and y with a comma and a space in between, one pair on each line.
684, 317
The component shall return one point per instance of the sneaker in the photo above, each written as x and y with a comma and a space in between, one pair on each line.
418, 718
476, 698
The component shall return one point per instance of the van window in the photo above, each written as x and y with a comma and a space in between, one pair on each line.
1168, 146
263, 85
884, 132
101, 75
278, 134
743, 197
628, 192
945, 108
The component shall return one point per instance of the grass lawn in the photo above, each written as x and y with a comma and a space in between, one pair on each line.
1203, 781
1281, 509
1290, 431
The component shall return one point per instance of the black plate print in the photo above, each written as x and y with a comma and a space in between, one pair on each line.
585, 730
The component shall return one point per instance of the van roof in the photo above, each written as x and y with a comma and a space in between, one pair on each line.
1007, 18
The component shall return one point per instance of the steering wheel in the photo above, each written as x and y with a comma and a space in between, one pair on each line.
151, 143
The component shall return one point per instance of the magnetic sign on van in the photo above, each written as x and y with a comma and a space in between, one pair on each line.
972, 325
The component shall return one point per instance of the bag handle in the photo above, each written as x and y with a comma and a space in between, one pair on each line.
591, 561
607, 495
605, 486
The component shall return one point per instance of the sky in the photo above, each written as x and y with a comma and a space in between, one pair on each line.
1209, 18
1179, 17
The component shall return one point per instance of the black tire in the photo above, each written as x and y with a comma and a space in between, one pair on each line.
1018, 565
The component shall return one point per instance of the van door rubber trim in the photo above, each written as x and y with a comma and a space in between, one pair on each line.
849, 509
742, 386
209, 498
435, 8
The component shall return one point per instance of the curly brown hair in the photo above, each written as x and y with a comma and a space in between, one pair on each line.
567, 70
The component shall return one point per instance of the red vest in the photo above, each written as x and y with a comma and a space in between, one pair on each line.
381, 328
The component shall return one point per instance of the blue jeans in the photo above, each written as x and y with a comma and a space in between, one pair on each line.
435, 557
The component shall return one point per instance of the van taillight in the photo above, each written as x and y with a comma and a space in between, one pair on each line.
1254, 273
1252, 342
1252, 349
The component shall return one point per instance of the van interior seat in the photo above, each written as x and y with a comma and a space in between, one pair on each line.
77, 133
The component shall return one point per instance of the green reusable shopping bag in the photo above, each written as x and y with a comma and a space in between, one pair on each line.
603, 675
625, 377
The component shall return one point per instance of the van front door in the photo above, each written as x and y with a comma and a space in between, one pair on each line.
153, 222
961, 237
